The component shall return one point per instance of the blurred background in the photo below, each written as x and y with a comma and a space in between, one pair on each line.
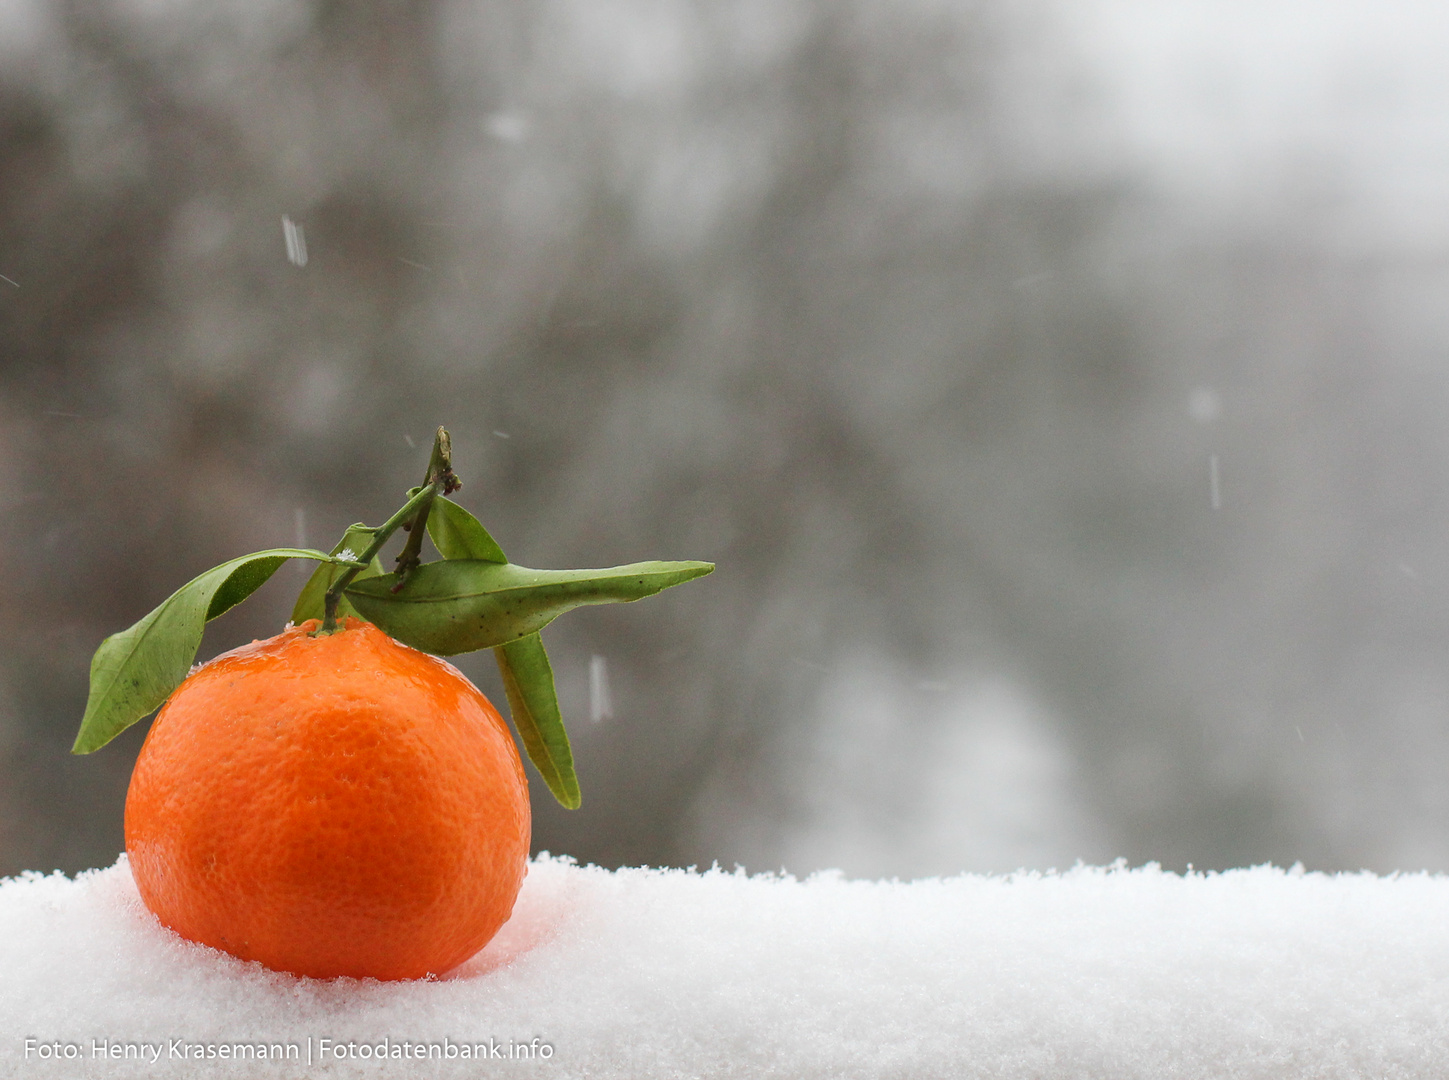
1061, 386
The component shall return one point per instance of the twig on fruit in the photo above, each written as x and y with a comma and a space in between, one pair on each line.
413, 515
439, 480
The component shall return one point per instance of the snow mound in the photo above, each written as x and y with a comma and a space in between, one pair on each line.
642, 973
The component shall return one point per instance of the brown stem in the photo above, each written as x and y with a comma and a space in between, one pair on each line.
413, 515
441, 480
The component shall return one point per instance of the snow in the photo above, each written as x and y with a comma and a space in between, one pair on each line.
1093, 972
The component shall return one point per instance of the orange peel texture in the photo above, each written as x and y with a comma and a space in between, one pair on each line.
327, 806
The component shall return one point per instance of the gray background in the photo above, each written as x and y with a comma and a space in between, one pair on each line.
1061, 388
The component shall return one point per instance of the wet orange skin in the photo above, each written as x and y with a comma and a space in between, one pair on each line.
337, 805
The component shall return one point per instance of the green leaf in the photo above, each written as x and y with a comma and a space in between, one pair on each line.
134, 672
528, 680
241, 583
527, 674
458, 605
457, 534
356, 539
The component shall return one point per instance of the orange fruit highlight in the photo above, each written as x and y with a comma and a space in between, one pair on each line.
339, 805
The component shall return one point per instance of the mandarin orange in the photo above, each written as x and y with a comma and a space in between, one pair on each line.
331, 805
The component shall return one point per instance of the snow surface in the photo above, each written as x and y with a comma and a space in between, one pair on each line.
640, 973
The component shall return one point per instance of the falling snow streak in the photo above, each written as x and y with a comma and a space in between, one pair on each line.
296, 241
600, 705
